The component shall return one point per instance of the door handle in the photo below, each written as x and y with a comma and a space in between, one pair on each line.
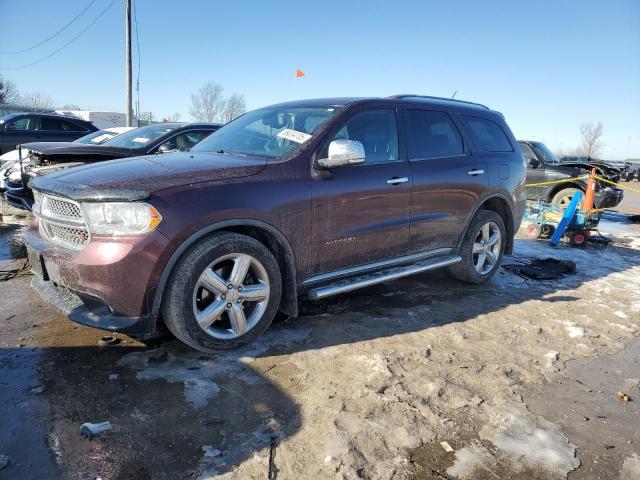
397, 180
475, 172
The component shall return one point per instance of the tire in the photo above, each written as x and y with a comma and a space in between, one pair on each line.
562, 198
199, 285
467, 270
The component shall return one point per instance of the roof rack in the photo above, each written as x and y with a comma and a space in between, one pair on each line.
409, 95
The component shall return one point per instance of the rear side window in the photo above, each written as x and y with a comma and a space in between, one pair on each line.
432, 134
490, 135
56, 124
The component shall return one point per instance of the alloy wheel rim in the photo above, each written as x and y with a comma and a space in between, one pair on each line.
231, 296
565, 201
486, 248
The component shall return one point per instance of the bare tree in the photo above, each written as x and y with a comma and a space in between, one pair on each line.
37, 101
234, 107
207, 103
591, 138
71, 106
175, 117
8, 91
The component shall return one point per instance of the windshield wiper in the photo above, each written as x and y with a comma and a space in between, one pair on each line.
227, 152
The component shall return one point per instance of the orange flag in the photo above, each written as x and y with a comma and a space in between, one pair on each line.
300, 73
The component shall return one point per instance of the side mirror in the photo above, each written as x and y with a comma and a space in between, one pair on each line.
343, 152
533, 162
164, 148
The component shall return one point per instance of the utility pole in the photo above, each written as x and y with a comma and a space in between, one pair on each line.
127, 59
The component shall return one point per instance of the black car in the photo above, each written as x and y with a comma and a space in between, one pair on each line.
18, 128
48, 157
544, 166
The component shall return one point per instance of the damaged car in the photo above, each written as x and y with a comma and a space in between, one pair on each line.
544, 167
48, 157
309, 198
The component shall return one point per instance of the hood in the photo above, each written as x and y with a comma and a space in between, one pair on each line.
136, 178
60, 152
602, 169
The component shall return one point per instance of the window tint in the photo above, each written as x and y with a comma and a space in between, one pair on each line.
526, 151
432, 134
56, 124
490, 135
377, 130
25, 123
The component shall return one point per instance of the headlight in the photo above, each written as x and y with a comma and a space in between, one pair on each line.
121, 218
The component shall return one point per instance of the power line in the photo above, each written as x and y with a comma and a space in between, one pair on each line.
6, 52
65, 45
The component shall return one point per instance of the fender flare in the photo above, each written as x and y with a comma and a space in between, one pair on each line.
481, 202
196, 236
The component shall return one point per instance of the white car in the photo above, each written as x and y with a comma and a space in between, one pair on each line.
9, 162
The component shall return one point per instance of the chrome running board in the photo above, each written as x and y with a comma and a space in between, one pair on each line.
362, 281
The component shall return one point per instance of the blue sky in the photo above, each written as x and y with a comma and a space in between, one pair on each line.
548, 65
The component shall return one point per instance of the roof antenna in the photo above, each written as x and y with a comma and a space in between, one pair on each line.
454, 94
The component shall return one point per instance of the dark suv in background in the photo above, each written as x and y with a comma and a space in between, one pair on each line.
18, 128
313, 198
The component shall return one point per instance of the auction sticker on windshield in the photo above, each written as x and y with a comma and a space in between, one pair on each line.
294, 135
140, 140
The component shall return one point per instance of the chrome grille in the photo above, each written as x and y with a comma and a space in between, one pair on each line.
68, 236
62, 208
62, 222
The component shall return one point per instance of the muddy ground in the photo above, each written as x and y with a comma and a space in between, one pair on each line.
519, 377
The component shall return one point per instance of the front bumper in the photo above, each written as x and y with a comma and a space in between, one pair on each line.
110, 284
608, 198
80, 308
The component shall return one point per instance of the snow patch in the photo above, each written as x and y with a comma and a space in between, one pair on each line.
572, 330
620, 314
631, 468
199, 387
469, 460
533, 442
551, 357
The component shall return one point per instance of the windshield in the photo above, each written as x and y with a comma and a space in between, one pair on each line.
271, 132
547, 155
139, 137
96, 138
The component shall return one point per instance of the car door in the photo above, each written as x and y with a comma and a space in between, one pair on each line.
536, 173
21, 130
447, 179
360, 213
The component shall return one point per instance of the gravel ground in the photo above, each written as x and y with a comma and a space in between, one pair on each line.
518, 377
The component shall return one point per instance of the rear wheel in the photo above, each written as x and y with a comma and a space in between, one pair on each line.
224, 293
562, 199
482, 248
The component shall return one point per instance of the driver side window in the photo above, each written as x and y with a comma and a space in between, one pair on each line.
377, 130
25, 123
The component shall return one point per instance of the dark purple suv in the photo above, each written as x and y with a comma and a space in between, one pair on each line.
314, 198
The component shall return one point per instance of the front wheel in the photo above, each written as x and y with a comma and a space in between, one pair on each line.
562, 199
223, 293
482, 248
